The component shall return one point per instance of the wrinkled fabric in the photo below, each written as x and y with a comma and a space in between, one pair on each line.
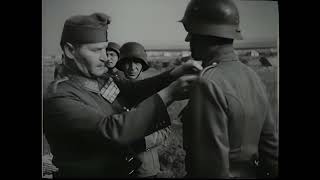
228, 121
87, 134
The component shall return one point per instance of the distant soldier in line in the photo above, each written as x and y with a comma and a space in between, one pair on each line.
58, 71
89, 131
228, 127
113, 53
133, 61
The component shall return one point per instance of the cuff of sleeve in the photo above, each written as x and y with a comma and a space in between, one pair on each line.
150, 141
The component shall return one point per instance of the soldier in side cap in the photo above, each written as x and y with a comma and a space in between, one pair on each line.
133, 62
89, 130
113, 53
228, 127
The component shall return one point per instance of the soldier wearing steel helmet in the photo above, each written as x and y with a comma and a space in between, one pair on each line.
89, 130
228, 126
133, 62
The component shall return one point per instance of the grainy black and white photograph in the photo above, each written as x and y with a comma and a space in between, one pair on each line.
160, 88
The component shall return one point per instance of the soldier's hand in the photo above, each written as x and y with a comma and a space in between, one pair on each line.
190, 67
177, 90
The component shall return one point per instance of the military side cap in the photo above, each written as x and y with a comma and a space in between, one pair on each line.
82, 29
115, 47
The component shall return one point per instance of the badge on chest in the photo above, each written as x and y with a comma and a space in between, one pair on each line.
110, 91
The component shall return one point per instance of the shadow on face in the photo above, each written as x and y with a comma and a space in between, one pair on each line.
132, 68
112, 58
88, 58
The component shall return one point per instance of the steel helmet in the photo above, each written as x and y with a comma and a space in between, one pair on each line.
115, 47
133, 50
218, 18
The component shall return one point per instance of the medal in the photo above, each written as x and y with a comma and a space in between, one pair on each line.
110, 91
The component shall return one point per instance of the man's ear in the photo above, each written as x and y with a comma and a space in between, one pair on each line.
69, 50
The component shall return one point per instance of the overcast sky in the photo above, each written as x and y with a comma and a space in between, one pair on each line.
151, 22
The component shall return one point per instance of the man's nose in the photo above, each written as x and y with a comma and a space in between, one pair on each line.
131, 65
188, 37
103, 56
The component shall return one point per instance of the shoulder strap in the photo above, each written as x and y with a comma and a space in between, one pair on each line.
52, 88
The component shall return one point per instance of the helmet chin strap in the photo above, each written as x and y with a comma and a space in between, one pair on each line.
138, 74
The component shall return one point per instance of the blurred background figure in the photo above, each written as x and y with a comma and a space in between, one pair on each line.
59, 71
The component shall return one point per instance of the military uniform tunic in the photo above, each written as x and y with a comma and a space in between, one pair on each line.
87, 133
116, 74
228, 122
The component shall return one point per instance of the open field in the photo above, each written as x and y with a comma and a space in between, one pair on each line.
171, 152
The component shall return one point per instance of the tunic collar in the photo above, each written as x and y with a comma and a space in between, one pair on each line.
89, 84
93, 85
222, 54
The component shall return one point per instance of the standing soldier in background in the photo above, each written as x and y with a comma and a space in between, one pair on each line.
133, 61
87, 128
228, 127
58, 71
113, 53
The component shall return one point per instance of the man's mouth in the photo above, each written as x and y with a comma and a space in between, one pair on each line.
101, 66
131, 74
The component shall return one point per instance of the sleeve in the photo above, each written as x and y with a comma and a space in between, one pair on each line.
143, 88
206, 131
268, 147
157, 138
69, 114
153, 140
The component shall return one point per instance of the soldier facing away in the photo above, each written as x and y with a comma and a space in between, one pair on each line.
89, 130
228, 127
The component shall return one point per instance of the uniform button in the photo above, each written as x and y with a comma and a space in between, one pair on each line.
148, 149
